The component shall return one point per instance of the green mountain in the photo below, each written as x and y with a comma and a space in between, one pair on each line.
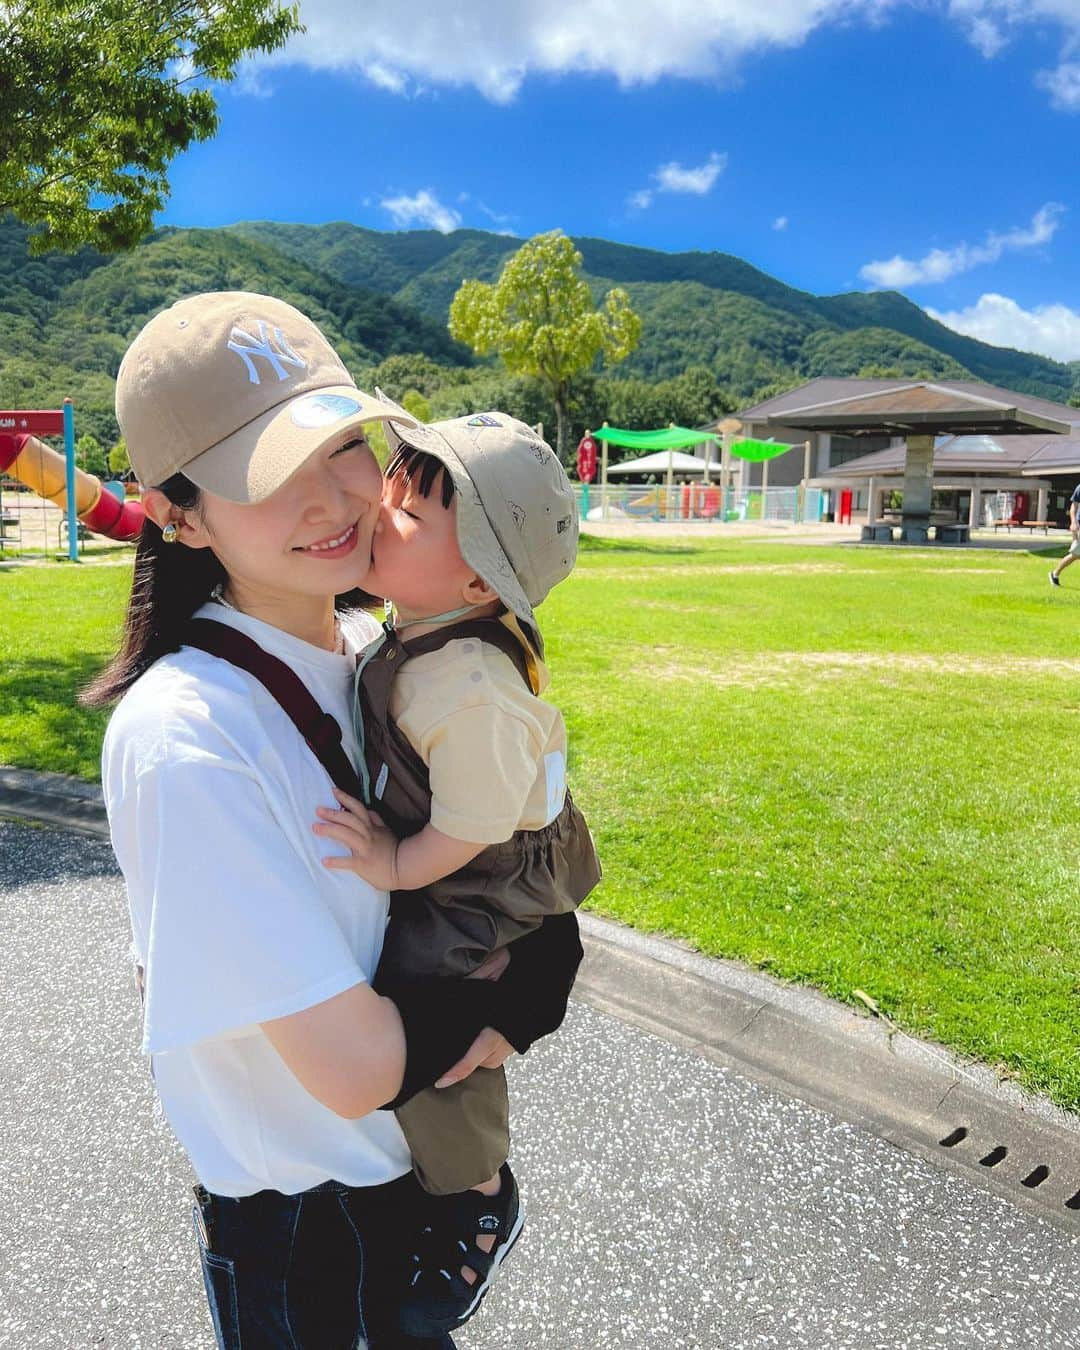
699, 308
65, 321
716, 330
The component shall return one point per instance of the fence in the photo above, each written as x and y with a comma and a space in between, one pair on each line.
699, 502
31, 526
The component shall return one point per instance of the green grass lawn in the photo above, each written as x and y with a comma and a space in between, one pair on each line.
855, 768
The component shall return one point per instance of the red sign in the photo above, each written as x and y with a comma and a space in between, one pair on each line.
35, 423
586, 459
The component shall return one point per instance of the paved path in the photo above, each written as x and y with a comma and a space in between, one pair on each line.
671, 1202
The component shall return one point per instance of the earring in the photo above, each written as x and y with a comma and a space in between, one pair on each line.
170, 533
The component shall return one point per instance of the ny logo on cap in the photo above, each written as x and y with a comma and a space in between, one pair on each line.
247, 347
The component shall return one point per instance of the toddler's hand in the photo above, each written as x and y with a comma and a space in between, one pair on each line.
372, 848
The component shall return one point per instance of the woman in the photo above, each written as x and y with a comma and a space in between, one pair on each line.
271, 1052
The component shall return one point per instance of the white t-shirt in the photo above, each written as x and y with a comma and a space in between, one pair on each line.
211, 795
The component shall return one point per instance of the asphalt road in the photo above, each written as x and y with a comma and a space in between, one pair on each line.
671, 1202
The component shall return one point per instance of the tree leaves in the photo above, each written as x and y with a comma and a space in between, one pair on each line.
98, 96
539, 317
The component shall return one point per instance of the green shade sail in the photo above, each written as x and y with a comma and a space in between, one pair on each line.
756, 451
667, 438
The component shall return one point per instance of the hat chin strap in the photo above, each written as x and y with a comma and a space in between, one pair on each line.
390, 610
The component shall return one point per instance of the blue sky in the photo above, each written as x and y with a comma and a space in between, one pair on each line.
929, 145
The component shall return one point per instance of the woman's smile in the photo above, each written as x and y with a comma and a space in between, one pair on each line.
336, 546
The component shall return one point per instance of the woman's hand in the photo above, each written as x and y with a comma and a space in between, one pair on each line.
490, 1050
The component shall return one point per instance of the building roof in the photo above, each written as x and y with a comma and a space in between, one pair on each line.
985, 456
857, 406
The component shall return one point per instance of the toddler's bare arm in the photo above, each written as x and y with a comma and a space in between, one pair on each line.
377, 855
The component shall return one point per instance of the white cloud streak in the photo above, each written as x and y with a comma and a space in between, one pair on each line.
674, 177
1051, 330
942, 263
422, 211
780, 223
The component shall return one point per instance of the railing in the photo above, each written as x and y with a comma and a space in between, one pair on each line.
700, 502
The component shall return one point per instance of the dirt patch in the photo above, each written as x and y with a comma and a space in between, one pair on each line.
636, 572
772, 669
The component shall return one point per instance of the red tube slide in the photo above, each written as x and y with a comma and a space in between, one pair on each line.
44, 471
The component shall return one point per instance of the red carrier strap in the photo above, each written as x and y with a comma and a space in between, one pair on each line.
317, 727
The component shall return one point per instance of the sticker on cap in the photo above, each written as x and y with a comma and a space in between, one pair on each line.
319, 410
483, 420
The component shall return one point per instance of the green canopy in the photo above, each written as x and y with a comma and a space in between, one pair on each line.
756, 451
668, 438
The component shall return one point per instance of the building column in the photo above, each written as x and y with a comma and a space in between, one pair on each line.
871, 504
918, 484
975, 509
1043, 499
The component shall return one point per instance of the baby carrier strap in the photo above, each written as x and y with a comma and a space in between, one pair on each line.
484, 630
317, 727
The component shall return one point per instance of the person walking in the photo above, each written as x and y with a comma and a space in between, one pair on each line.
277, 1063
1074, 547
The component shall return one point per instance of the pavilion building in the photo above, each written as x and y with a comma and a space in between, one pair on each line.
967, 469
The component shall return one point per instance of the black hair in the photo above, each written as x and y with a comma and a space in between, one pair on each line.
422, 470
169, 584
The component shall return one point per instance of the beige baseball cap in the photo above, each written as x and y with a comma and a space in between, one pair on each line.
237, 391
517, 520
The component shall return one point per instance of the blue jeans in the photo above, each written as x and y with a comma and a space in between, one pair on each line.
322, 1270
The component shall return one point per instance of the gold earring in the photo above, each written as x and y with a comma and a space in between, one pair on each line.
170, 533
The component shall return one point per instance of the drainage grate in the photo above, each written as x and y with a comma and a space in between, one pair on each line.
1064, 1191
834, 1059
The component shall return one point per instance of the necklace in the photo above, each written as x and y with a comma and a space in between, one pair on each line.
218, 594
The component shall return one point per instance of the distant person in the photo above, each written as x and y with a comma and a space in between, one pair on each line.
1074, 547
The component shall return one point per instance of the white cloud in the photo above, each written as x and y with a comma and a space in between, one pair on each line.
940, 263
780, 223
674, 177
1063, 85
1051, 330
990, 24
386, 77
424, 209
493, 47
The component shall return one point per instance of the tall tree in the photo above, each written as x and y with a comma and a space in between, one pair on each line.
539, 317
98, 96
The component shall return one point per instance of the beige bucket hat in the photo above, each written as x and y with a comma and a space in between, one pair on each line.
517, 520
237, 391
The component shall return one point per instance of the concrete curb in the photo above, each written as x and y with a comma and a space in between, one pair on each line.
921, 1097
53, 799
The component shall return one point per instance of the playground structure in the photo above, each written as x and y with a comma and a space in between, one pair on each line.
83, 498
709, 496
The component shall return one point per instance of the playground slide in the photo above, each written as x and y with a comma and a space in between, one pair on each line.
44, 472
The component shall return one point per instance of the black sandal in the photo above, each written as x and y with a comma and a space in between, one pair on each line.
437, 1297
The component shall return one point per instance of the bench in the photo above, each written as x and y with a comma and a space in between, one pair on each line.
881, 533
1032, 525
954, 533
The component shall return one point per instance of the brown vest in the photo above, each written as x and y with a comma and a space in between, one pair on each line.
449, 927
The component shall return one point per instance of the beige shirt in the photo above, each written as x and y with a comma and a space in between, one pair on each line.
495, 752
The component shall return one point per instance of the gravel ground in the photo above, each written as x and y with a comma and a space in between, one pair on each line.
670, 1202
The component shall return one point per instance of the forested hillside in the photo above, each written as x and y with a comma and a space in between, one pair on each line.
717, 332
